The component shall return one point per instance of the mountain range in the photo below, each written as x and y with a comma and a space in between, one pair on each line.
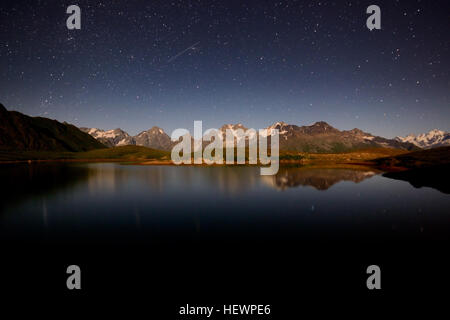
320, 137
317, 138
432, 139
24, 133
154, 138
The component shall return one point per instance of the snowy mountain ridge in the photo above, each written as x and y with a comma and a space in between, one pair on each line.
432, 139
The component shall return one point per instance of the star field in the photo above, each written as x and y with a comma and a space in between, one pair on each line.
136, 64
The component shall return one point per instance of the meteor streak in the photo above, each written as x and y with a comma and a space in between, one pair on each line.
182, 52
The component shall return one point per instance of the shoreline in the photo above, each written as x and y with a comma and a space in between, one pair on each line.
383, 160
283, 163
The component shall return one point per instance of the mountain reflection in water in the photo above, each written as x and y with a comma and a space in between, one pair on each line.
319, 178
229, 180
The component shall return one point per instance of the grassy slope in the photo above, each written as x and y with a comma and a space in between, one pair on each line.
417, 159
352, 156
131, 153
126, 153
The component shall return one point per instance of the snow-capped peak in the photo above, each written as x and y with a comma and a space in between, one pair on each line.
433, 138
92, 131
278, 125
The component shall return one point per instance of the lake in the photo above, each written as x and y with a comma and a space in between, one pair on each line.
165, 227
114, 202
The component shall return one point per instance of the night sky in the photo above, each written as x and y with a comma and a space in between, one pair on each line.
136, 64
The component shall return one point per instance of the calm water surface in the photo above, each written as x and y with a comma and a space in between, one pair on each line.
114, 202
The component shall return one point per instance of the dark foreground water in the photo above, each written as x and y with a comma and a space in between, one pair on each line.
186, 234
116, 203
